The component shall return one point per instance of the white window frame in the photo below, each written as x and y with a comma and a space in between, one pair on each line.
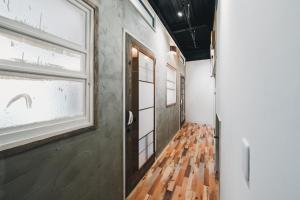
16, 136
170, 67
145, 4
182, 59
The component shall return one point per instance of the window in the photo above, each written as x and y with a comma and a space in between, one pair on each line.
171, 85
182, 59
146, 11
46, 69
146, 108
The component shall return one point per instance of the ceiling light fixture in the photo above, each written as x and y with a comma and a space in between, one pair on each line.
173, 49
180, 14
134, 52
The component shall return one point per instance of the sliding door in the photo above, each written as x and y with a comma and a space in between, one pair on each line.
140, 109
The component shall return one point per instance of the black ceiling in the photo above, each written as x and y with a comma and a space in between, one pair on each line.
191, 32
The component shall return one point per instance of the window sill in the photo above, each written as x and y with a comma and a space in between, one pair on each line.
171, 105
31, 137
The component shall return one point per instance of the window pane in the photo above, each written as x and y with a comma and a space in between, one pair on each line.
20, 49
146, 95
171, 74
146, 122
144, 11
150, 150
142, 158
45, 15
170, 85
30, 100
145, 68
181, 59
171, 97
142, 144
150, 138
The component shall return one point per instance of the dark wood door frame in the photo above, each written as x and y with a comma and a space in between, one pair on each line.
182, 105
132, 172
217, 137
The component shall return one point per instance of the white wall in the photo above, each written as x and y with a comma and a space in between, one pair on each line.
200, 92
258, 97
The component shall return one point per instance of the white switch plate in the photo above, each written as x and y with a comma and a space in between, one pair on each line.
246, 159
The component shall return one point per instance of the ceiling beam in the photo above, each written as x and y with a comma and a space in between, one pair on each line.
190, 29
187, 15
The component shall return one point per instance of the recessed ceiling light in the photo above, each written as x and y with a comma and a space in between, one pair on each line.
180, 14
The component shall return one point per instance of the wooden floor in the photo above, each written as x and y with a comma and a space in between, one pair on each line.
185, 170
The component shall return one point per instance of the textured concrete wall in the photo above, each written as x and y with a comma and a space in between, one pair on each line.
90, 165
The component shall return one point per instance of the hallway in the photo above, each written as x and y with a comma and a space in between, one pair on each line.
185, 169
149, 100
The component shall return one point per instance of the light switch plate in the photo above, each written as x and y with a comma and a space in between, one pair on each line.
246, 159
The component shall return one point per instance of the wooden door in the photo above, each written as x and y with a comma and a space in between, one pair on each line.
140, 111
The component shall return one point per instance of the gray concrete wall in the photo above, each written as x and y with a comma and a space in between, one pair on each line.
89, 166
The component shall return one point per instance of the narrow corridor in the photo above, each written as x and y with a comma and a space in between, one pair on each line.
149, 100
185, 169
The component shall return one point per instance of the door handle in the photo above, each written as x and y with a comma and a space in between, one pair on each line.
130, 119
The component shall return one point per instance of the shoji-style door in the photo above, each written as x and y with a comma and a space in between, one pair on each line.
140, 111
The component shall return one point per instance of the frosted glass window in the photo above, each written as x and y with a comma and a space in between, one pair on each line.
171, 74
145, 151
150, 138
171, 85
46, 16
146, 106
171, 94
145, 12
146, 122
142, 144
146, 147
150, 150
46, 69
20, 49
146, 65
182, 59
146, 95
31, 100
142, 158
